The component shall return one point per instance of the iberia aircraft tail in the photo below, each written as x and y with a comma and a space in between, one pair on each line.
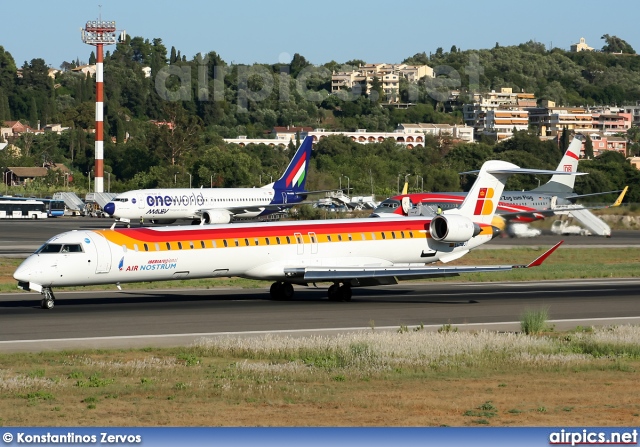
482, 200
568, 163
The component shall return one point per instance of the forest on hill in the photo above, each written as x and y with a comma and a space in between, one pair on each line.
207, 99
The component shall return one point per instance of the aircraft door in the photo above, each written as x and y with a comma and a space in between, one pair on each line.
313, 242
103, 253
299, 243
406, 205
141, 200
284, 197
554, 201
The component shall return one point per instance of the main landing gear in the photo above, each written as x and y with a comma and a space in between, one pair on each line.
340, 292
48, 300
283, 291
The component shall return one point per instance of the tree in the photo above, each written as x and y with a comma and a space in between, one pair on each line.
376, 94
564, 140
92, 58
588, 147
454, 49
614, 44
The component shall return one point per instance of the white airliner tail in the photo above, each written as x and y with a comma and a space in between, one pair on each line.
569, 163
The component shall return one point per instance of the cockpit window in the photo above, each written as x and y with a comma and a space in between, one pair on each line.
60, 248
50, 248
120, 199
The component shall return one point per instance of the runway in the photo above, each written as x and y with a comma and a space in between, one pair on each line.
141, 318
20, 237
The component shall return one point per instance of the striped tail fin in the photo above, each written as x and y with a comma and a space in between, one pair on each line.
295, 176
568, 163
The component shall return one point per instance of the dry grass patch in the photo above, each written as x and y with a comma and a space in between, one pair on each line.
371, 378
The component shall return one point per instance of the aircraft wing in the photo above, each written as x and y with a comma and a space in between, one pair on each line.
369, 276
579, 196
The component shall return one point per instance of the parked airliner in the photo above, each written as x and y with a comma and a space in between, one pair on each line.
514, 206
216, 205
348, 253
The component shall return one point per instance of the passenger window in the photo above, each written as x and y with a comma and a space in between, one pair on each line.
268, 242
168, 246
179, 245
278, 240
202, 244
329, 237
340, 237
256, 241
411, 234
246, 242
393, 234
384, 236
224, 241
299, 239
373, 236
157, 247
288, 240
237, 243
135, 247
364, 238
213, 244
191, 244
402, 234
350, 238
146, 247
124, 248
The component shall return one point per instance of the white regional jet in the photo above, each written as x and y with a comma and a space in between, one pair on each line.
348, 253
216, 205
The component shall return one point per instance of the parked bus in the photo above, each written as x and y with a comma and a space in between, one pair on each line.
54, 207
23, 209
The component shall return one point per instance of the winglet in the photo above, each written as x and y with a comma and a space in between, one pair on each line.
620, 197
540, 259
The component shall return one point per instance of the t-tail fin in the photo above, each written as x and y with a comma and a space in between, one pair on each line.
481, 202
569, 163
295, 176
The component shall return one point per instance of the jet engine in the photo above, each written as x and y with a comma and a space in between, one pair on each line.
216, 216
453, 228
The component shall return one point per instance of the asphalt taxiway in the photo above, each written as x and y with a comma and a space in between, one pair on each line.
141, 318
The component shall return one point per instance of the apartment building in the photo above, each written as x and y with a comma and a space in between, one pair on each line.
551, 120
634, 111
388, 74
496, 114
602, 143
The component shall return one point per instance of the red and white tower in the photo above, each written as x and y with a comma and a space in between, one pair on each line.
99, 33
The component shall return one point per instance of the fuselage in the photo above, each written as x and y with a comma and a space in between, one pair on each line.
188, 203
109, 256
529, 203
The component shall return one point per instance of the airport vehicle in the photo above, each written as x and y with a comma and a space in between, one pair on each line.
348, 253
522, 230
52, 207
216, 205
565, 228
515, 206
23, 209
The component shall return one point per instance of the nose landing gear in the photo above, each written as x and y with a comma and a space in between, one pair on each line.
48, 299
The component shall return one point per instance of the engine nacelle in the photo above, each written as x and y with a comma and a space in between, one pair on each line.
453, 228
216, 216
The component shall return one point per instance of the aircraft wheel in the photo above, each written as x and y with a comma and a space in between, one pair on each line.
48, 300
334, 292
286, 291
345, 293
274, 290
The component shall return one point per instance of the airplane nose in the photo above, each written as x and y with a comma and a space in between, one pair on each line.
22, 273
110, 208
